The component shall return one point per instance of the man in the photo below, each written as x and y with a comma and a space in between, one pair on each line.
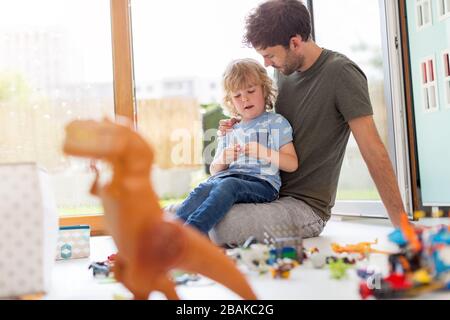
324, 96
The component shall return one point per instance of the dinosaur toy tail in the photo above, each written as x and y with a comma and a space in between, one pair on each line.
205, 258
169, 245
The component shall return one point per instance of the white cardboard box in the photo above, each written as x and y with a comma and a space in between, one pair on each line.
28, 230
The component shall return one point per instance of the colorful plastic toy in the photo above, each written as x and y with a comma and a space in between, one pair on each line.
362, 248
338, 269
282, 268
365, 273
318, 259
255, 257
102, 268
422, 264
346, 260
148, 246
284, 242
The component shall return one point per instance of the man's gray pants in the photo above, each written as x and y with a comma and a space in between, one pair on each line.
250, 219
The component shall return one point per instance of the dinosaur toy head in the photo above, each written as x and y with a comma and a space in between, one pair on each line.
106, 140
93, 139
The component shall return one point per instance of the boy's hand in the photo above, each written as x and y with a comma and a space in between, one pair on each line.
256, 150
226, 125
231, 154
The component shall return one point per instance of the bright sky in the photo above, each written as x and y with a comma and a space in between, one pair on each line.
183, 38
342, 23
177, 38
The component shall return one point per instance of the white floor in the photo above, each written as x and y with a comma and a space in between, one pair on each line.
73, 280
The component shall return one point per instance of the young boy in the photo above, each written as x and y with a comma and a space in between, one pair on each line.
248, 159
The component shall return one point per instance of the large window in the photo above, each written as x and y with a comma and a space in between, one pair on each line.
55, 66
181, 49
179, 62
359, 30
352, 27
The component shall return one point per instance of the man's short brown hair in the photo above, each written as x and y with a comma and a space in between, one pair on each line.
275, 22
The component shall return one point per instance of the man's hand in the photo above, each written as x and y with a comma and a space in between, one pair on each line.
226, 125
256, 150
230, 154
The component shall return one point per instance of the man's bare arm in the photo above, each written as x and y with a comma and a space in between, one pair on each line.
379, 164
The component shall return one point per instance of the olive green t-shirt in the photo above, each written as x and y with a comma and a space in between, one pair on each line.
318, 103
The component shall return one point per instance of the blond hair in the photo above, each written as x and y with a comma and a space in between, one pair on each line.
244, 73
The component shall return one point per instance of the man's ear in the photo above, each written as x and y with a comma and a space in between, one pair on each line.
295, 42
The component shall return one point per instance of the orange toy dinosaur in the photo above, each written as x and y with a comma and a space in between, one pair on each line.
363, 248
148, 246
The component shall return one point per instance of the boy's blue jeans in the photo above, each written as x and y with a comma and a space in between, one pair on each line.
210, 201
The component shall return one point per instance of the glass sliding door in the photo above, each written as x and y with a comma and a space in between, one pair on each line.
357, 29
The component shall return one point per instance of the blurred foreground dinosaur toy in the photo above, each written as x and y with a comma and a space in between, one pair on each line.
148, 246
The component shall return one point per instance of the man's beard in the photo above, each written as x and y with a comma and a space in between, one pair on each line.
292, 64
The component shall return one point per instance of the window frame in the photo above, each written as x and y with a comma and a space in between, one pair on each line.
420, 4
123, 84
443, 14
429, 84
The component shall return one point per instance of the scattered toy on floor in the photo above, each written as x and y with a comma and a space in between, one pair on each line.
255, 257
422, 264
362, 248
318, 259
338, 268
285, 242
282, 268
103, 268
365, 273
346, 260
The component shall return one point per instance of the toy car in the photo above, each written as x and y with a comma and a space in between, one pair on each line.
100, 268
